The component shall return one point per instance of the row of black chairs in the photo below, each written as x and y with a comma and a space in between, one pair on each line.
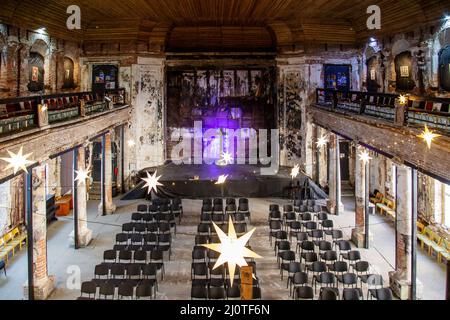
220, 293
144, 289
138, 255
325, 259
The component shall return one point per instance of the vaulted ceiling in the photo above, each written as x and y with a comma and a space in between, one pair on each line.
189, 24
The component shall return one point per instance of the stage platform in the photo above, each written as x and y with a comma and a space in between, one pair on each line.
198, 181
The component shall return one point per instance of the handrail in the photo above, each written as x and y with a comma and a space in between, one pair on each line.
417, 111
21, 113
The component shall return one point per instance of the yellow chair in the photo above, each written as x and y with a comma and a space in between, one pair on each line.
4, 252
18, 238
9, 244
435, 244
377, 199
446, 252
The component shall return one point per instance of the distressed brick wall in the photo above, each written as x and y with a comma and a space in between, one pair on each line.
15, 47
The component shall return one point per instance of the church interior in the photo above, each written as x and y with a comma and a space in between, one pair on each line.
224, 150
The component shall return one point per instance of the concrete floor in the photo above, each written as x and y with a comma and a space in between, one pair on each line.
74, 266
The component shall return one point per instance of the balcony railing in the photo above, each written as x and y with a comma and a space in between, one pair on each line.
417, 112
19, 114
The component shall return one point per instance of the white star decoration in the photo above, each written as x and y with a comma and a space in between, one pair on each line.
82, 175
364, 157
151, 182
131, 143
232, 249
402, 99
17, 161
222, 178
295, 171
227, 158
428, 136
321, 141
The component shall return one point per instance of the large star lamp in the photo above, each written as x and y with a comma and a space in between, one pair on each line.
18, 160
232, 249
151, 182
82, 175
428, 136
295, 171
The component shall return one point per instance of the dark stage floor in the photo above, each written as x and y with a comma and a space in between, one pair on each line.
242, 181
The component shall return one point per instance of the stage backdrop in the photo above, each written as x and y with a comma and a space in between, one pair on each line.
220, 99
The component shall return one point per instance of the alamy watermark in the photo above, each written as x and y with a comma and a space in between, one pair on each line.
205, 147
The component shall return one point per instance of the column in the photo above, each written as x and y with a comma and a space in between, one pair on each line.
107, 198
334, 203
309, 143
43, 283
358, 233
400, 279
322, 157
84, 234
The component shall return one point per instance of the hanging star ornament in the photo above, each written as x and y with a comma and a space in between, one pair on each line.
402, 99
82, 175
232, 249
222, 178
322, 141
295, 171
18, 161
131, 143
227, 158
364, 157
151, 182
428, 136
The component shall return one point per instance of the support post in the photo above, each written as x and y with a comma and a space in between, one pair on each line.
29, 214
81, 235
334, 204
42, 284
75, 200
366, 206
122, 159
414, 235
103, 193
107, 205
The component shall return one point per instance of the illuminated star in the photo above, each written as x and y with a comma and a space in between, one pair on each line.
364, 157
295, 171
232, 249
44, 107
222, 178
131, 143
151, 182
428, 136
17, 161
82, 175
321, 141
227, 158
402, 99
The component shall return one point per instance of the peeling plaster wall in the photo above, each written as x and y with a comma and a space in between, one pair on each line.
421, 43
298, 77
5, 205
14, 75
426, 197
147, 126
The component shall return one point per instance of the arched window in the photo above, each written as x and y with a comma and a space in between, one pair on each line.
68, 73
36, 71
372, 84
444, 68
403, 70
